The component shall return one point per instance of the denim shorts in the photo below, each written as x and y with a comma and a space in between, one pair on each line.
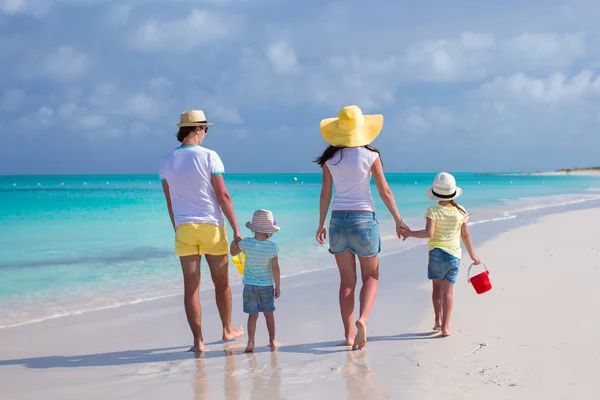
258, 299
442, 266
357, 232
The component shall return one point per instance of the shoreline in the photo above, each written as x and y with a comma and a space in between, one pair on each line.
390, 244
571, 173
140, 348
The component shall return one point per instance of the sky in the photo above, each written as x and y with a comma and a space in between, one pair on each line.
96, 87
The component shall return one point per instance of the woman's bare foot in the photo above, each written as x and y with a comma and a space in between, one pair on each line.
360, 341
437, 327
232, 333
250, 347
446, 332
274, 344
349, 342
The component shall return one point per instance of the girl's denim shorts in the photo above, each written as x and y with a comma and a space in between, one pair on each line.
442, 266
357, 232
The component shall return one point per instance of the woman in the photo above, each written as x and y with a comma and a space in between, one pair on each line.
348, 164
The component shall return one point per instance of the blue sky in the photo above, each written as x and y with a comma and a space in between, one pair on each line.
90, 86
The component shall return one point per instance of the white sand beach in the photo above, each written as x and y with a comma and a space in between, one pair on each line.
532, 337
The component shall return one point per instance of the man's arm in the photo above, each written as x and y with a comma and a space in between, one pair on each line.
226, 204
165, 186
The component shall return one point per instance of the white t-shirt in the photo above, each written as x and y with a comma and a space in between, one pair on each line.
351, 172
188, 171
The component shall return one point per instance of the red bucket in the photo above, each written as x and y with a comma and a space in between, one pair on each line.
481, 282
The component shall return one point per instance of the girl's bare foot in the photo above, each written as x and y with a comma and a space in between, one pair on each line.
349, 342
274, 344
437, 327
250, 347
360, 341
446, 332
232, 333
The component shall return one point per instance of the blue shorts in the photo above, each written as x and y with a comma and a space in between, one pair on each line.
442, 266
357, 232
258, 299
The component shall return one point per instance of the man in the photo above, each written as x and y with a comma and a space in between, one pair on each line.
192, 179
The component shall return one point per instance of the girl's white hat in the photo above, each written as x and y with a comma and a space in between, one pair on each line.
444, 188
263, 222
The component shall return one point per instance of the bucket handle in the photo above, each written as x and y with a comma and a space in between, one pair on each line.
469, 271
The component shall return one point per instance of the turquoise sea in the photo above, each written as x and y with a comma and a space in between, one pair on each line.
70, 244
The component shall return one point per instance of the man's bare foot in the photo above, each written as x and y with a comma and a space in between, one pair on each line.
360, 341
197, 348
274, 344
446, 332
250, 347
437, 327
232, 333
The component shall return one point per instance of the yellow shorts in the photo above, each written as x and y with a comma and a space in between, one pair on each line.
200, 238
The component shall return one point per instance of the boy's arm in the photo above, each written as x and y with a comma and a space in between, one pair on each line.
466, 237
276, 275
423, 234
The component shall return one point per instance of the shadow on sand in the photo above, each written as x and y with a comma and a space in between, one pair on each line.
170, 354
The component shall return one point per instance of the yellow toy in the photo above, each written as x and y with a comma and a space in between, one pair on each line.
239, 262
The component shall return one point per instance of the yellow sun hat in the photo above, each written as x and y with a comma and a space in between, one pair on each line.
351, 128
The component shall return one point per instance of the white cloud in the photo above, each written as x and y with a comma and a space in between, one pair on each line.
66, 63
40, 119
91, 122
36, 8
553, 89
66, 110
228, 115
282, 57
12, 99
198, 29
546, 50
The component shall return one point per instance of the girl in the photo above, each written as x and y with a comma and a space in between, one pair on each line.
261, 273
446, 225
348, 164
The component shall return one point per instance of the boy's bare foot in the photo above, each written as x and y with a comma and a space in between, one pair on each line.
232, 333
250, 347
274, 344
360, 341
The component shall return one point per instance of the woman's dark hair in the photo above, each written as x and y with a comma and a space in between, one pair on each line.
331, 151
184, 132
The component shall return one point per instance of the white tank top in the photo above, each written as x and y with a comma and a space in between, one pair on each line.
351, 172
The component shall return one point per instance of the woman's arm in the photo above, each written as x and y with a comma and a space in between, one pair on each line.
386, 195
165, 186
325, 200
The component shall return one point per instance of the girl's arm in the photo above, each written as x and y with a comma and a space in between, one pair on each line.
423, 234
165, 186
276, 275
387, 196
466, 237
325, 200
